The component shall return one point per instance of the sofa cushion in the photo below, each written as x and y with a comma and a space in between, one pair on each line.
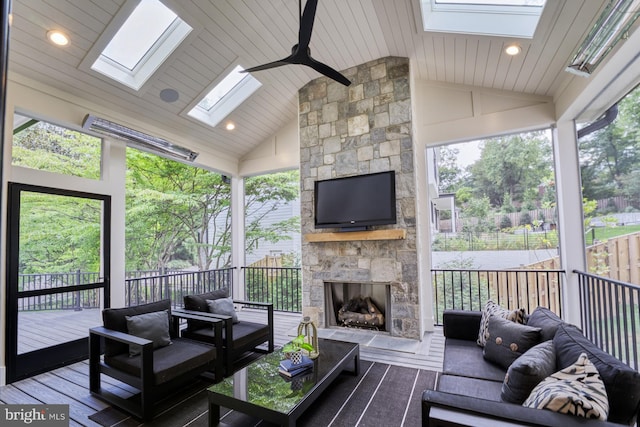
169, 362
507, 340
473, 387
546, 320
153, 326
115, 319
621, 382
223, 306
464, 358
527, 371
575, 390
493, 309
245, 334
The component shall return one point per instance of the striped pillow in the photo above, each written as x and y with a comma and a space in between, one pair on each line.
576, 390
493, 309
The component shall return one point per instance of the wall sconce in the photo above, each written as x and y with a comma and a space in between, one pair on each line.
138, 139
611, 26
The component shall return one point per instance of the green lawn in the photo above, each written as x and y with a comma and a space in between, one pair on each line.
604, 233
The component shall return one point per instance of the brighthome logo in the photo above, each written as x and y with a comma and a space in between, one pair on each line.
34, 415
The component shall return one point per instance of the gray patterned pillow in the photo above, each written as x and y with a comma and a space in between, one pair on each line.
153, 326
223, 306
493, 309
576, 390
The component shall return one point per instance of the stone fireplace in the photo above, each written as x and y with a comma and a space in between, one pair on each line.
347, 131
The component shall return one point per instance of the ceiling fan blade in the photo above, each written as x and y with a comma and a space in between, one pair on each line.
267, 66
327, 71
306, 24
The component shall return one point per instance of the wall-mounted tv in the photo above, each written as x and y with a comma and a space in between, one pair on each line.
356, 202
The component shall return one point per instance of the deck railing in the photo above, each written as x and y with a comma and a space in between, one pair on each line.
470, 289
175, 286
280, 286
610, 315
59, 301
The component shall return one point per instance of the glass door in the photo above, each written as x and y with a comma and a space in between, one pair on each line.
57, 276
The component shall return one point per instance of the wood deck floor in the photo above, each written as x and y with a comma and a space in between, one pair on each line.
69, 385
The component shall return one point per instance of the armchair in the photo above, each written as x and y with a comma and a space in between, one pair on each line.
237, 337
152, 365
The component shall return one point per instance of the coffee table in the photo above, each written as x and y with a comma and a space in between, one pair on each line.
260, 391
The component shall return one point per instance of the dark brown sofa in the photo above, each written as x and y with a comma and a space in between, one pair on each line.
469, 390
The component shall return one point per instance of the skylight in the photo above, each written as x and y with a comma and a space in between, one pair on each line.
225, 97
507, 18
145, 40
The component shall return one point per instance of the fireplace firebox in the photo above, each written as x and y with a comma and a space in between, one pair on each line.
358, 305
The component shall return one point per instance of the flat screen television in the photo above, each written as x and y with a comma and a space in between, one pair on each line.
356, 202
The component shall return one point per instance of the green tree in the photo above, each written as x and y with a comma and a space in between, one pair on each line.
510, 165
449, 173
609, 155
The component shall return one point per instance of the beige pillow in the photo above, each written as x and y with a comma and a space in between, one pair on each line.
577, 390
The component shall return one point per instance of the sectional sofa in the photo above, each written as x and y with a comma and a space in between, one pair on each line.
472, 390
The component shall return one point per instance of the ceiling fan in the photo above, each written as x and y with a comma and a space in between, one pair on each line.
300, 53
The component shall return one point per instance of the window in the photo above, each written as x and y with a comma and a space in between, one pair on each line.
145, 40
225, 97
509, 18
45, 146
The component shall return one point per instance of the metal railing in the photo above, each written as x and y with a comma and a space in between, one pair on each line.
471, 289
75, 300
175, 286
280, 286
610, 315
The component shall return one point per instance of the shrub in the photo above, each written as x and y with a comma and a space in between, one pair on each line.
525, 218
505, 222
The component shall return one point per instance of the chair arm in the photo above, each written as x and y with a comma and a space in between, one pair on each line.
461, 324
217, 320
455, 409
254, 303
120, 336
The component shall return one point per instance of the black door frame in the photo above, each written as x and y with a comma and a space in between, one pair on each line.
24, 365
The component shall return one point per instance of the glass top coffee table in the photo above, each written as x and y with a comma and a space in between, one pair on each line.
260, 391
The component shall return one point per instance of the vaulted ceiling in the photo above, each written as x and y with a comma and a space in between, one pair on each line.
252, 32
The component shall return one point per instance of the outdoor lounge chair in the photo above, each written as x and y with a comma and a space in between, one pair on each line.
238, 337
155, 366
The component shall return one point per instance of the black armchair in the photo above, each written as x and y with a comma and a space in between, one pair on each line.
238, 337
153, 369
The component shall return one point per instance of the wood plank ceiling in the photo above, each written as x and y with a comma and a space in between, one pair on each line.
251, 32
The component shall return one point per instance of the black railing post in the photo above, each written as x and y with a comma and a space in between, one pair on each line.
78, 306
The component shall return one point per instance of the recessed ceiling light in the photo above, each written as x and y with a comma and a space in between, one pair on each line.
513, 49
58, 37
230, 126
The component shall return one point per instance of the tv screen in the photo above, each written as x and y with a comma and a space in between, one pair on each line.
356, 201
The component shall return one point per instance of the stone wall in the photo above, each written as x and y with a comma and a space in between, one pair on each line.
360, 129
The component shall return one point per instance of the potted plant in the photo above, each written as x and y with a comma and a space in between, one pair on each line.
293, 349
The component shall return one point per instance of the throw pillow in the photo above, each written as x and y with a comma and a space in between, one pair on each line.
621, 381
576, 390
527, 371
493, 309
223, 306
152, 326
507, 340
547, 320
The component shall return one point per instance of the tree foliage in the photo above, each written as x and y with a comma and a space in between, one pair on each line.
609, 156
510, 165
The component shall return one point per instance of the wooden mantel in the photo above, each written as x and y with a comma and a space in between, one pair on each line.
348, 236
